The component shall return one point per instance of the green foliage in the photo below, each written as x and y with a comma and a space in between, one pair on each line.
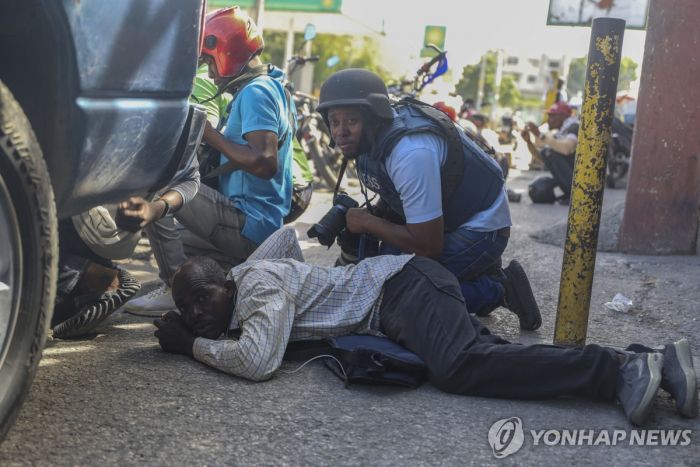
577, 74
509, 95
468, 85
274, 46
353, 52
628, 73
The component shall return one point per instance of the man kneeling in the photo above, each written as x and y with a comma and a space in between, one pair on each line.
275, 298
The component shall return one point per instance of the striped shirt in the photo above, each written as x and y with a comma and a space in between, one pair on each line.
281, 299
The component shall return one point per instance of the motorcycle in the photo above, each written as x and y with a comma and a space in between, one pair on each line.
315, 139
423, 77
312, 133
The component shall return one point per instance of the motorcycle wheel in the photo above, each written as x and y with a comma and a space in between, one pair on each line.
324, 169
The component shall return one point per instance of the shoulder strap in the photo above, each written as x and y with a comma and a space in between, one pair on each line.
244, 80
453, 169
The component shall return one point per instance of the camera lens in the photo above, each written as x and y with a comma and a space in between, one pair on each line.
333, 222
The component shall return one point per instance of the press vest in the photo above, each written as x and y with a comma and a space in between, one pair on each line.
470, 179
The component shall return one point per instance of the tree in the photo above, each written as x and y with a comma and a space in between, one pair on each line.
577, 74
468, 85
509, 94
352, 51
628, 73
274, 46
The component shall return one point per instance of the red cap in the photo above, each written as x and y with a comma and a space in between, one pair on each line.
231, 39
560, 108
450, 111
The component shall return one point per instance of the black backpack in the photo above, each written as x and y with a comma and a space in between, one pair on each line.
363, 359
541, 190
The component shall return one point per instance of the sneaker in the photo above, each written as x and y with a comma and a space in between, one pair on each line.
638, 381
518, 296
678, 377
154, 303
95, 310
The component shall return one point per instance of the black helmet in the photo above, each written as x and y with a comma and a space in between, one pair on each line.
355, 86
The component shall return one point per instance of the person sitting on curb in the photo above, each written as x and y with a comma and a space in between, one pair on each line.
275, 298
445, 195
556, 147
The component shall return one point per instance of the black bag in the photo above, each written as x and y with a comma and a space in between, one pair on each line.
541, 190
364, 359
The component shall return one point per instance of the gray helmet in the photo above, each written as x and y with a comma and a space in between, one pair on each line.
355, 86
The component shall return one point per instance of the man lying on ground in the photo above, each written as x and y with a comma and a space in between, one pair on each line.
275, 298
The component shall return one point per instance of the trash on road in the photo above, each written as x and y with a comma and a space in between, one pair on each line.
619, 303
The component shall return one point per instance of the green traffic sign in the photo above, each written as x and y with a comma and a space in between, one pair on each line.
433, 35
309, 6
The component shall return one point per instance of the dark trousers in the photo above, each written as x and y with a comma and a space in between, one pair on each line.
73, 258
423, 310
561, 168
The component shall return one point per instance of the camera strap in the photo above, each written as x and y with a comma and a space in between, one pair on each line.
363, 237
341, 173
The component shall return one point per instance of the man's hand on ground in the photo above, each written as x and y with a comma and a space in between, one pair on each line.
357, 219
172, 334
136, 213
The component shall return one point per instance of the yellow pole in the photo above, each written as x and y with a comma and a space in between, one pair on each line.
589, 175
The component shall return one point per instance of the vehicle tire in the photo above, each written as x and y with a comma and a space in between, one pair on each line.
28, 256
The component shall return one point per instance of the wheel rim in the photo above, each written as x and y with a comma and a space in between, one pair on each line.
10, 268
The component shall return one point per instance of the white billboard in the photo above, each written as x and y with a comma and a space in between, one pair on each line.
582, 12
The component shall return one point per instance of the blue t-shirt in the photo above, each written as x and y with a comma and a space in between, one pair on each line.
260, 105
414, 166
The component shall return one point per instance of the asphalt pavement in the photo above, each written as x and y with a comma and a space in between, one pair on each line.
117, 399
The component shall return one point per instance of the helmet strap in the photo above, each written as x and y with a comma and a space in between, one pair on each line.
247, 74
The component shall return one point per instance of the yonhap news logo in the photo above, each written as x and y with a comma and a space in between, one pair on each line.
507, 436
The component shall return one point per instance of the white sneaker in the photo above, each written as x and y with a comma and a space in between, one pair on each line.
154, 303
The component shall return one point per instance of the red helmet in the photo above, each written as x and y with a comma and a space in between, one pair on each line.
231, 39
450, 111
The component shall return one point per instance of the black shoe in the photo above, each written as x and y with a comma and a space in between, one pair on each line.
91, 314
564, 200
518, 296
678, 377
513, 196
638, 381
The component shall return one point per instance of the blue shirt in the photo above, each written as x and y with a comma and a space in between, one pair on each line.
261, 105
414, 166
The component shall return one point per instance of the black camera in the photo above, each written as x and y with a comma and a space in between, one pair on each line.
333, 222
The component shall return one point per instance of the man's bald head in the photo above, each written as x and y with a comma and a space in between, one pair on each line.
199, 268
203, 296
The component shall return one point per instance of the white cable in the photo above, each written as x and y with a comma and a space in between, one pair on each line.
315, 358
